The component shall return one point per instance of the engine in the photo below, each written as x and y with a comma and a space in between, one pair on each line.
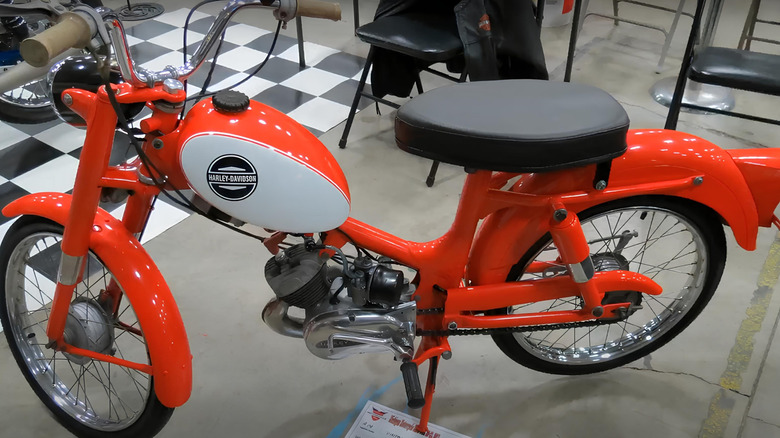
362, 306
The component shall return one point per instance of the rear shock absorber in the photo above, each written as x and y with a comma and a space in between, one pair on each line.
15, 25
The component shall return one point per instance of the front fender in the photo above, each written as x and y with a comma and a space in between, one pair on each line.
144, 286
652, 157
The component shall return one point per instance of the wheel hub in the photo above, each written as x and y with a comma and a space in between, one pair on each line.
610, 261
89, 327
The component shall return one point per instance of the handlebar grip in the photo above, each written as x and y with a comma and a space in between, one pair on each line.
414, 394
72, 31
319, 9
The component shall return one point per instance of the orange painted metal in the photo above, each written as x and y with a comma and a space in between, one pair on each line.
501, 295
143, 285
761, 169
569, 239
101, 122
144, 368
657, 163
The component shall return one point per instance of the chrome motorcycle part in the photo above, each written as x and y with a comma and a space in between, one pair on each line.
79, 72
275, 316
88, 327
344, 330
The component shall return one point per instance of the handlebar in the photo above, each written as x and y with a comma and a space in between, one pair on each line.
319, 9
72, 31
77, 28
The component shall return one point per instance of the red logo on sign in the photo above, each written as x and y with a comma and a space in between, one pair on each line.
376, 414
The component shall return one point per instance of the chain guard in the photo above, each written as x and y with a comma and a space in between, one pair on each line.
509, 330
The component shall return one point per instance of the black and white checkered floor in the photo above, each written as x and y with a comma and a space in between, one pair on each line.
44, 157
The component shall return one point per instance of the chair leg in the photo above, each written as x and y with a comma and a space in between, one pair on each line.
575, 27
615, 10
356, 12
418, 82
432, 174
750, 25
356, 100
669, 36
299, 30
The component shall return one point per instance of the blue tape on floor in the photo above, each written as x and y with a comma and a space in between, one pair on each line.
340, 428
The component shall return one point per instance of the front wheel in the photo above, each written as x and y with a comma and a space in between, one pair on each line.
89, 397
678, 244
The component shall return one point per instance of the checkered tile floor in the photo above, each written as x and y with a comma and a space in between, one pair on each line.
44, 157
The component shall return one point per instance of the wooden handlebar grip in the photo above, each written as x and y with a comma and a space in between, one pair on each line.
319, 9
71, 31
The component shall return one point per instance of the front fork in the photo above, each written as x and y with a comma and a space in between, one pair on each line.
95, 155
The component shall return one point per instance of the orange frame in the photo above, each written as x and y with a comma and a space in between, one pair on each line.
659, 163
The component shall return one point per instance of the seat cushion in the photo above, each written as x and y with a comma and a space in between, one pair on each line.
432, 38
514, 125
751, 71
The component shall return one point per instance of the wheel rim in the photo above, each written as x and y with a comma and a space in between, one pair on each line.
30, 96
99, 395
667, 248
33, 95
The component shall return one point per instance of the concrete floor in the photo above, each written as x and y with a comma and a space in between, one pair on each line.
720, 378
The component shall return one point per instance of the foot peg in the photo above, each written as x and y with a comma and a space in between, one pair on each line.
414, 393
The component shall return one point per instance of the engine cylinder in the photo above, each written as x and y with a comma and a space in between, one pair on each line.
298, 276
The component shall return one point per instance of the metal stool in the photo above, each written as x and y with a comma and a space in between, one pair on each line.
750, 26
725, 67
580, 12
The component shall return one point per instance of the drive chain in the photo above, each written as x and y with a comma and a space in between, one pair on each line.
507, 330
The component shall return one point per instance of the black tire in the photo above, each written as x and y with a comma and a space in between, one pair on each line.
13, 113
544, 351
31, 248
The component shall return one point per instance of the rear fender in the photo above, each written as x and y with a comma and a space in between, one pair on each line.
143, 285
653, 157
761, 169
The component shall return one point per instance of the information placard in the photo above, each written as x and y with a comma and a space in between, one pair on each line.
377, 421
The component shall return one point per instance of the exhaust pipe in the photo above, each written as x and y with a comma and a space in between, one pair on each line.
275, 316
23, 73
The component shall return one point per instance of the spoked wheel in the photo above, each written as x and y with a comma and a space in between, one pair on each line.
30, 103
89, 397
679, 245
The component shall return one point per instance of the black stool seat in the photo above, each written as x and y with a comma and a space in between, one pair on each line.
751, 71
514, 125
427, 37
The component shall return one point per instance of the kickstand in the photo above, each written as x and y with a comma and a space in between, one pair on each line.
430, 388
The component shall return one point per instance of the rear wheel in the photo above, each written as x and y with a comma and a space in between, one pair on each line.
678, 244
89, 397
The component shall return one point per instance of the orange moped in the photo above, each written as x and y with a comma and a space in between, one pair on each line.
578, 245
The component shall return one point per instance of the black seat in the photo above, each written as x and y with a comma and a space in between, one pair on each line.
428, 37
751, 71
514, 125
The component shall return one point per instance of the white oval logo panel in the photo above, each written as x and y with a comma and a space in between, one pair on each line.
262, 185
